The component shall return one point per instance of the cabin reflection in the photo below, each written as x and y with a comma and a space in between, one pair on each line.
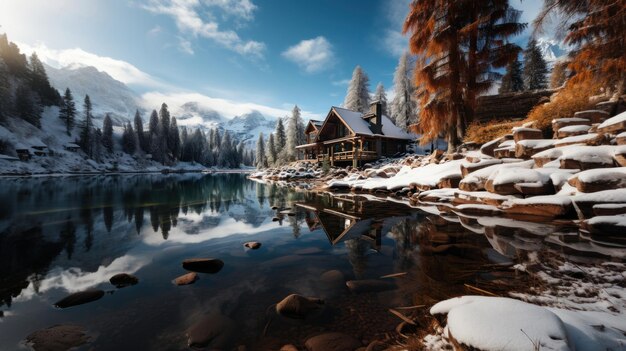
343, 218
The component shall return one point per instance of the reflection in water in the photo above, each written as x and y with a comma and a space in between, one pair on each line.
67, 234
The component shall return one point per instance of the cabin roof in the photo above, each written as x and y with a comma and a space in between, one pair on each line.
361, 126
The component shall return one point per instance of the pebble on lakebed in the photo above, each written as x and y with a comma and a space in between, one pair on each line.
57, 338
186, 279
332, 342
123, 280
80, 298
213, 331
203, 265
252, 245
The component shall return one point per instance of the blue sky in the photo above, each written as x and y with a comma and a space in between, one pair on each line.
232, 55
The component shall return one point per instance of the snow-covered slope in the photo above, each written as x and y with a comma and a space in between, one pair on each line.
107, 94
247, 127
191, 114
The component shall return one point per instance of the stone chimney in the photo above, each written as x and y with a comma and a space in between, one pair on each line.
376, 109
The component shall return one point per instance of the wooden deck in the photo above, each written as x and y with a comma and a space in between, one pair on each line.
350, 156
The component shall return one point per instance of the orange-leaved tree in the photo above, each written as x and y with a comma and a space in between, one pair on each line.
596, 29
460, 44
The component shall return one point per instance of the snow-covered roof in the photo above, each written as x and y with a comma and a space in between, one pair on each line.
71, 145
360, 126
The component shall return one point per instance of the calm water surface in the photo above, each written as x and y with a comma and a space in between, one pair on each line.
60, 235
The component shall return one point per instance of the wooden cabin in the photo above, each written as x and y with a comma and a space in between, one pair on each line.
71, 147
347, 136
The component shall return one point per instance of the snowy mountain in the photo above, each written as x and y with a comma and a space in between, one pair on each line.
551, 50
107, 94
114, 97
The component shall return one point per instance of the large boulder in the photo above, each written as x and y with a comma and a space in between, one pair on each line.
549, 206
332, 342
521, 133
469, 167
504, 181
565, 122
123, 280
527, 148
614, 125
599, 179
57, 338
298, 306
186, 279
573, 131
595, 116
590, 139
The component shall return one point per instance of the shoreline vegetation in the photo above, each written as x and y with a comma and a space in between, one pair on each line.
161, 171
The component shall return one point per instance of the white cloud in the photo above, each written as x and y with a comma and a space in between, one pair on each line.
392, 39
313, 55
118, 69
185, 46
156, 30
227, 108
341, 83
188, 15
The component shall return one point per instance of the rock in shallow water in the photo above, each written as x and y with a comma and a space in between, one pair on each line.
123, 280
80, 298
370, 285
332, 342
57, 338
186, 279
298, 307
213, 331
253, 245
203, 265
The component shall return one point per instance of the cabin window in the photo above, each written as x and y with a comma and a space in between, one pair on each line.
383, 147
341, 130
366, 146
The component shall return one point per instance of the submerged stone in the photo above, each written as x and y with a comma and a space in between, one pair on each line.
253, 245
298, 307
213, 331
123, 280
332, 342
370, 285
203, 265
80, 298
186, 279
57, 338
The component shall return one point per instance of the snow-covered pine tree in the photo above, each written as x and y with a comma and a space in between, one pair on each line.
96, 145
261, 161
141, 138
225, 152
241, 150
40, 84
27, 105
381, 96
129, 140
236, 160
270, 151
164, 129
197, 147
86, 128
358, 96
67, 111
535, 67
512, 80
107, 134
173, 141
184, 145
403, 106
294, 129
281, 137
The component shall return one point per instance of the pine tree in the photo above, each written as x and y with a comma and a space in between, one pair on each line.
294, 129
107, 134
281, 137
174, 139
40, 83
270, 151
153, 128
512, 80
85, 141
261, 161
358, 96
16, 62
403, 105
460, 47
381, 97
5, 90
141, 139
164, 128
241, 151
96, 145
224, 155
27, 106
535, 67
184, 146
67, 111
129, 140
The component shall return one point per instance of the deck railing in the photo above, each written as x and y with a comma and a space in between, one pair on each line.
350, 155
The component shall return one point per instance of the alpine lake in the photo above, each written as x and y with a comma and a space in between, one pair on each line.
363, 259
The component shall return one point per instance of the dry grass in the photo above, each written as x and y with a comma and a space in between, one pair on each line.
573, 98
484, 132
